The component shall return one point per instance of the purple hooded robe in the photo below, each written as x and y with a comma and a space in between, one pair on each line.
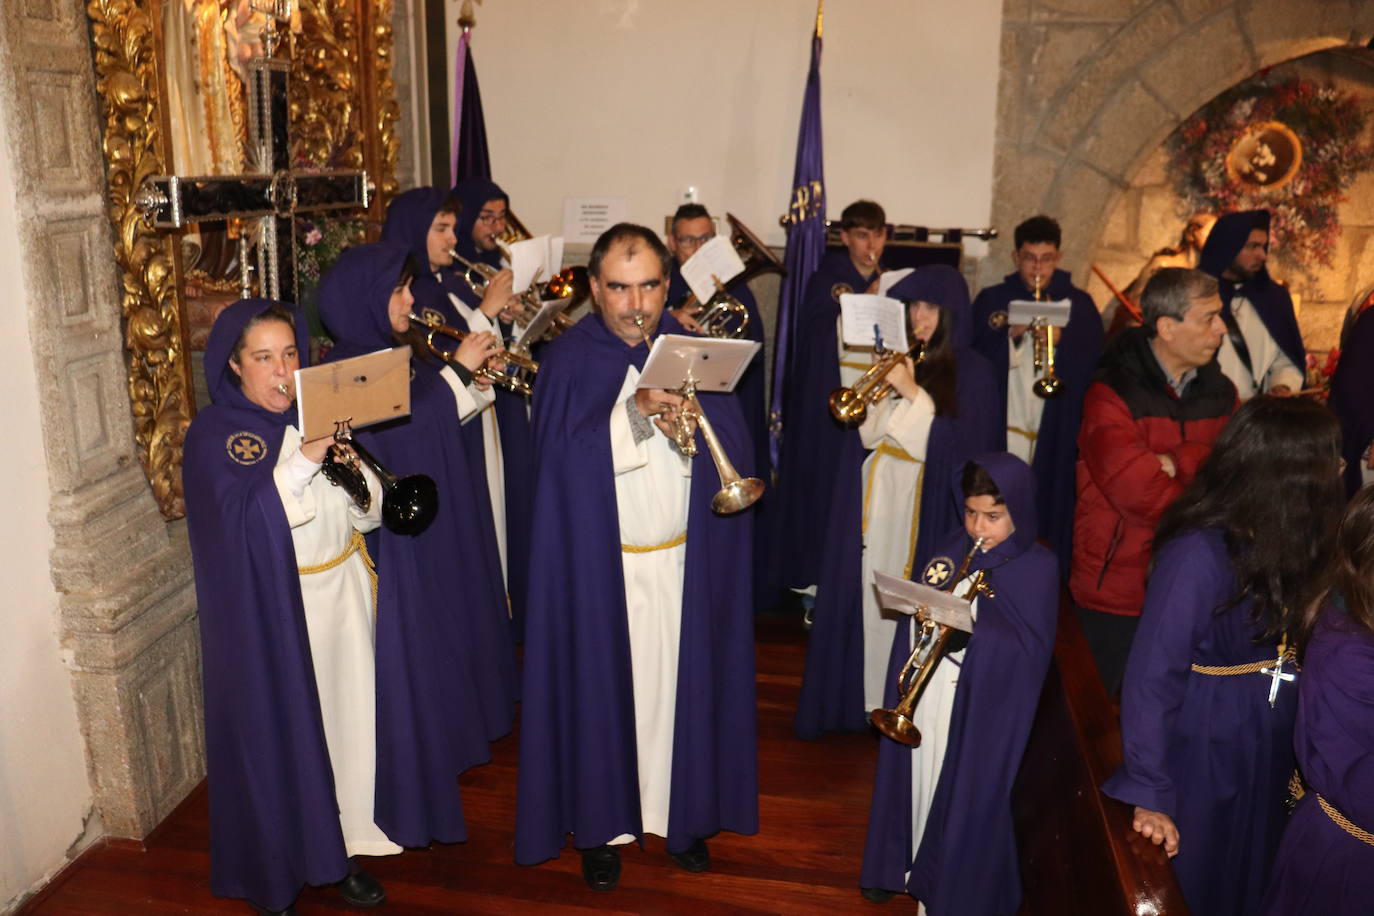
407, 224
1075, 360
967, 863
578, 758
1207, 750
274, 821
1270, 299
1322, 870
447, 578
832, 695
1351, 401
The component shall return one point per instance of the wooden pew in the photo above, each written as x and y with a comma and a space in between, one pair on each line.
1079, 854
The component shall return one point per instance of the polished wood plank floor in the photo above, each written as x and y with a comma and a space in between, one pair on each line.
813, 808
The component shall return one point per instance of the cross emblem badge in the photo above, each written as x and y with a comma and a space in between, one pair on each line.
246, 447
938, 570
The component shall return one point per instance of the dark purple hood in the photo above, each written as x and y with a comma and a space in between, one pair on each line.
1016, 481
942, 285
1228, 237
474, 192
219, 378
408, 220
354, 296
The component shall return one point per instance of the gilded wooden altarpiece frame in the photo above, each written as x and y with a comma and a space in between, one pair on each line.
343, 114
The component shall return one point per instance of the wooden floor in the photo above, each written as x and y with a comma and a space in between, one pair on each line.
813, 808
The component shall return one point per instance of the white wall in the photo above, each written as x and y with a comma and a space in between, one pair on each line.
44, 792
642, 98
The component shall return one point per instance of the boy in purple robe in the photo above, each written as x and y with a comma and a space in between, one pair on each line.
1262, 352
1208, 704
448, 578
902, 502
940, 828
638, 709
1325, 864
1044, 432
817, 453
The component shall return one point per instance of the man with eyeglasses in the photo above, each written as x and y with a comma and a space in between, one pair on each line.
1043, 432
693, 227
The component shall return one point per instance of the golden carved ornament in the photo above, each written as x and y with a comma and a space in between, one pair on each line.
382, 112
125, 34
326, 120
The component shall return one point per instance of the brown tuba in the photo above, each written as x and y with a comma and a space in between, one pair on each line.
931, 640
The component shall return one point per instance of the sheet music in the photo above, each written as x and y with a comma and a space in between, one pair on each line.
890, 278
364, 390
535, 260
860, 312
717, 257
540, 323
907, 597
1055, 313
715, 364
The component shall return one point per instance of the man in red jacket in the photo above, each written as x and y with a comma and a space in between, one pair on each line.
1155, 407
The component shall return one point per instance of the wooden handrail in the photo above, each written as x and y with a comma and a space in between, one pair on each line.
1079, 854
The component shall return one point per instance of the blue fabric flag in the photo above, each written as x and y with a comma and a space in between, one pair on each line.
805, 236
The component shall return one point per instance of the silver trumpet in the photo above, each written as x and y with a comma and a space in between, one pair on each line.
736, 491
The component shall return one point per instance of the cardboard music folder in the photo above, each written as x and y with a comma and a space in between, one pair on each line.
907, 597
363, 390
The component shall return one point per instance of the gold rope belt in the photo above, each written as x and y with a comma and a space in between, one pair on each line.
1022, 432
892, 451
1251, 668
666, 545
356, 544
1364, 836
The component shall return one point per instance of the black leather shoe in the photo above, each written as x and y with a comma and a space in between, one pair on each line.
601, 867
361, 889
876, 894
695, 860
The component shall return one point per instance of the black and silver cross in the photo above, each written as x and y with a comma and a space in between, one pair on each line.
1277, 675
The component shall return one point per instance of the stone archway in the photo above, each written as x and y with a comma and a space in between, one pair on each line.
1089, 88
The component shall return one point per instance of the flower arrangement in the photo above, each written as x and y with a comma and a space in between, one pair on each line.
319, 244
1327, 122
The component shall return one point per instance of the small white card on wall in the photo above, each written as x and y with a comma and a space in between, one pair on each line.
585, 218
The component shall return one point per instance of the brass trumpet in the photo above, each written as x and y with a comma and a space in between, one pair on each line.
925, 657
723, 315
736, 492
850, 405
1048, 385
517, 377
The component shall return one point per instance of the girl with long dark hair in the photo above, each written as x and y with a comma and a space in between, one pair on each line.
1325, 863
1208, 705
903, 501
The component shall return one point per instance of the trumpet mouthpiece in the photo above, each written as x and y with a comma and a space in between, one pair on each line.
284, 390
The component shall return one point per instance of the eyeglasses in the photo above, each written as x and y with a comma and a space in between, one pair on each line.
694, 240
1047, 258
491, 217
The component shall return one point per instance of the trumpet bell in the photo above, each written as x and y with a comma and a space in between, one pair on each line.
896, 726
848, 406
1050, 386
411, 504
737, 495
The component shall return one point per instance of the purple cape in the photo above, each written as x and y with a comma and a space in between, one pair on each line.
407, 223
816, 452
445, 583
1206, 750
1351, 387
1075, 359
274, 822
967, 862
1322, 870
1270, 299
832, 684
578, 760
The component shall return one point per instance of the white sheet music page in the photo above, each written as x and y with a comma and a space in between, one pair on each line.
890, 278
715, 364
717, 259
530, 261
1055, 313
860, 313
907, 597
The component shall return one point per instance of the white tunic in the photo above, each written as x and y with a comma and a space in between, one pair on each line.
491, 433
1272, 367
931, 717
897, 431
339, 618
1024, 408
652, 485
